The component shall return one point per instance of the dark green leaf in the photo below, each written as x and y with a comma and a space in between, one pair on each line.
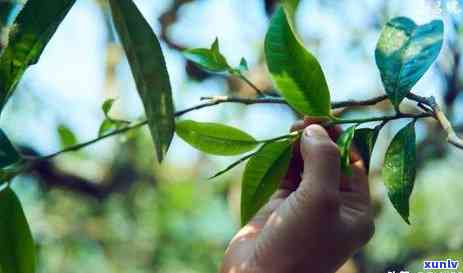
400, 169
208, 59
215, 138
8, 154
17, 254
405, 51
344, 143
233, 165
262, 176
364, 141
296, 72
107, 105
66, 136
6, 8
32, 29
149, 70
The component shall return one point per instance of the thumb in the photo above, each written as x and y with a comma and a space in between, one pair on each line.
322, 174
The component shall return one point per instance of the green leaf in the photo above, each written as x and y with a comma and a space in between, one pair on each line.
66, 136
6, 8
233, 165
262, 176
400, 169
106, 106
208, 59
17, 254
243, 65
344, 143
11, 171
364, 141
295, 71
215, 138
31, 31
149, 70
405, 51
8, 154
106, 126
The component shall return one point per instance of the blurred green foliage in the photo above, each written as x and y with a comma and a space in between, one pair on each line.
177, 226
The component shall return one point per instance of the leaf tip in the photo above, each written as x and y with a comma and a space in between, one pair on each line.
215, 45
406, 218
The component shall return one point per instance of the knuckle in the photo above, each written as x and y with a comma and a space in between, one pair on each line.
294, 204
321, 200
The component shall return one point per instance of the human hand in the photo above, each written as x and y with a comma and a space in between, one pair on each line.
312, 223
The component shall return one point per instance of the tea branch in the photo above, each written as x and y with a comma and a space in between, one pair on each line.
427, 104
334, 105
384, 119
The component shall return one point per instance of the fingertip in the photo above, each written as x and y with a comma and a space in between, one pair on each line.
316, 142
316, 131
301, 124
321, 159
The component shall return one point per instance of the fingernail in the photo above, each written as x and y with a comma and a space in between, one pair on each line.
315, 131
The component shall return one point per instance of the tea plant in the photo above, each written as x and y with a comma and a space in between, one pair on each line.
405, 51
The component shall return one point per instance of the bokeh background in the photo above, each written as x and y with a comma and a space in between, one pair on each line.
112, 208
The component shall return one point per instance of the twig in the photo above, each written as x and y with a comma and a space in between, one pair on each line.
351, 103
384, 119
90, 142
437, 113
334, 105
247, 101
216, 100
290, 135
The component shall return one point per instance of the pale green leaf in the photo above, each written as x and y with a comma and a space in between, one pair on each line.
30, 33
208, 59
106, 126
149, 70
66, 136
17, 251
262, 176
215, 138
109, 125
296, 73
405, 51
107, 105
400, 169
